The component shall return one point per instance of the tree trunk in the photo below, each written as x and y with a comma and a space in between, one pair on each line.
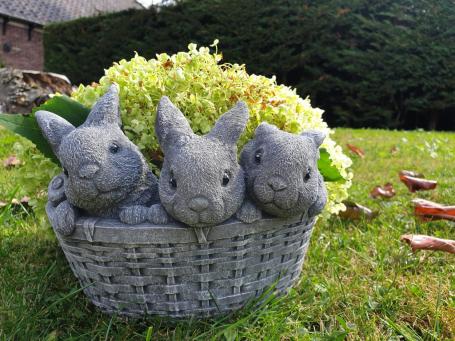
434, 119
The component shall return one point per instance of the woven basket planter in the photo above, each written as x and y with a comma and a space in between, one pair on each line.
178, 271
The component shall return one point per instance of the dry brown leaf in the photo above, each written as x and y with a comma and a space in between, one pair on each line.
17, 204
11, 161
394, 150
356, 150
416, 182
157, 156
429, 210
168, 64
386, 191
25, 199
356, 211
411, 173
422, 242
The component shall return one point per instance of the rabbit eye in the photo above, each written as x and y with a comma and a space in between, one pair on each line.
65, 171
307, 175
225, 179
258, 156
172, 181
114, 148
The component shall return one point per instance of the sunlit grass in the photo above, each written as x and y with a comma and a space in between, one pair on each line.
359, 282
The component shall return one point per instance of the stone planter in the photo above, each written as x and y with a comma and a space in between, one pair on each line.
179, 271
172, 269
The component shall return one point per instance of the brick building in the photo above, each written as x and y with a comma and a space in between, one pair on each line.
22, 21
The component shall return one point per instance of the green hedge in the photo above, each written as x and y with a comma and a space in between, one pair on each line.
378, 64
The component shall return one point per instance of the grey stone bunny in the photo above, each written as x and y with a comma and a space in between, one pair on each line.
282, 174
104, 172
201, 183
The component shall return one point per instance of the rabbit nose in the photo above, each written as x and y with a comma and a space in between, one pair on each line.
198, 204
277, 183
88, 171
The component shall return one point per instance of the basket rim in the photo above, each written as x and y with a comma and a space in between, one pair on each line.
105, 230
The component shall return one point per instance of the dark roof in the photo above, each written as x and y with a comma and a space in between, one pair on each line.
47, 11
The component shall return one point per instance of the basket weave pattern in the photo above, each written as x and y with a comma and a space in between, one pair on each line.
179, 271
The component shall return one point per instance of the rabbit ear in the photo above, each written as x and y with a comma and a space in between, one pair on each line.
170, 123
317, 136
265, 128
54, 128
231, 124
106, 110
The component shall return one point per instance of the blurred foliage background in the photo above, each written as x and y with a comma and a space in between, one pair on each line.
387, 64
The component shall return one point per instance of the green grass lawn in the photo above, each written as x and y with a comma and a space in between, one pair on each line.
359, 281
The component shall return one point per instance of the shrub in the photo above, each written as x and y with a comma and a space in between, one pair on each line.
204, 89
376, 64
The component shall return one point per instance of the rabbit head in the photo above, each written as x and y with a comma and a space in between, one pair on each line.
104, 169
281, 170
201, 183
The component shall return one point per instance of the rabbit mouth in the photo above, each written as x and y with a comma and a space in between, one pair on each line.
208, 217
113, 194
106, 189
281, 200
91, 191
195, 219
203, 219
281, 208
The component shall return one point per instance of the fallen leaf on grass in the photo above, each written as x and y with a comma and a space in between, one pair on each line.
18, 205
356, 211
386, 191
411, 173
422, 242
416, 182
429, 210
24, 201
356, 150
394, 150
11, 161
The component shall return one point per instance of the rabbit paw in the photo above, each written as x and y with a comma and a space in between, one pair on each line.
64, 219
56, 190
134, 214
248, 212
158, 215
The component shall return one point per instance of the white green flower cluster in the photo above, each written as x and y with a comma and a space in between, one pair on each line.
203, 88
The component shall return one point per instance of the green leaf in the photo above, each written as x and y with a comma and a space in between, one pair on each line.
67, 108
328, 171
404, 330
148, 337
26, 125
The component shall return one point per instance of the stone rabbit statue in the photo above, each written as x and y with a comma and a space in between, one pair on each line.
104, 172
201, 183
282, 174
